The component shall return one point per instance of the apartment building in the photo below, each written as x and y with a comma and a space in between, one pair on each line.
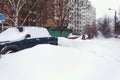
82, 14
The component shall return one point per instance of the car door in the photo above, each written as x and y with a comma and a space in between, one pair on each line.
31, 42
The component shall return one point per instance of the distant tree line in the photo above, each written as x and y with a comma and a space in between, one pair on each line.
106, 26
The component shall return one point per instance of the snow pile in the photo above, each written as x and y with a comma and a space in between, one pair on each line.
12, 34
102, 47
97, 59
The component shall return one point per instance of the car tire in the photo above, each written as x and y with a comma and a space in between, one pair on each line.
9, 49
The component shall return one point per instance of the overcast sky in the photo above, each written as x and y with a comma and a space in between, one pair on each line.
102, 7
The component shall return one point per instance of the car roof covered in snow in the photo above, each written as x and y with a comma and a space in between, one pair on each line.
17, 33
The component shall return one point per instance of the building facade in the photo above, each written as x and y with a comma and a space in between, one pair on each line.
82, 14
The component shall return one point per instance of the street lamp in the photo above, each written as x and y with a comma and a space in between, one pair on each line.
115, 19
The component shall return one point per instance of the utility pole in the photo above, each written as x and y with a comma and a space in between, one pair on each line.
115, 21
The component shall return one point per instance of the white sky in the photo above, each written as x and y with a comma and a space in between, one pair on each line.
102, 7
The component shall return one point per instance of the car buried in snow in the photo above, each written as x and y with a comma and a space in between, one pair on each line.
19, 38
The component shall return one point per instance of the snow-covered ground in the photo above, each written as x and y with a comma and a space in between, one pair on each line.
96, 59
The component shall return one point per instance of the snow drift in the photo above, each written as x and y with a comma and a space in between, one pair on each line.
96, 59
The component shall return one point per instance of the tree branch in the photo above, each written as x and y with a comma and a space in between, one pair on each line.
29, 13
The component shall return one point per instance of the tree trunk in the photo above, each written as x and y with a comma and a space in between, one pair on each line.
16, 18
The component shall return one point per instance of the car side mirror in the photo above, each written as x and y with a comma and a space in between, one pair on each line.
27, 36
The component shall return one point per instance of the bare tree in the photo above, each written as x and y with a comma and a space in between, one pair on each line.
104, 26
15, 6
45, 12
62, 12
117, 29
29, 12
62, 8
12, 9
37, 12
91, 31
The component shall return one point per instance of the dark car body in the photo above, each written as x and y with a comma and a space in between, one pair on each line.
27, 42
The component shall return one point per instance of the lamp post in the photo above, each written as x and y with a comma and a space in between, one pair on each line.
115, 19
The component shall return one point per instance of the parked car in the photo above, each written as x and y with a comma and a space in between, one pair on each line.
15, 39
74, 35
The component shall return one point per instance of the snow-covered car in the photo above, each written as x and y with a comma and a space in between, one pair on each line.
19, 38
74, 35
